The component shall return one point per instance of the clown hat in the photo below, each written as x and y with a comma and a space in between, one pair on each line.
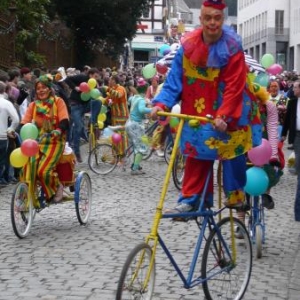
218, 4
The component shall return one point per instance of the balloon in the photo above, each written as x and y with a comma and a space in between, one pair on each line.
116, 138
275, 69
18, 159
107, 132
92, 83
161, 68
176, 109
262, 79
100, 124
267, 60
103, 109
149, 71
167, 51
85, 96
83, 87
30, 147
29, 131
95, 93
257, 181
101, 117
261, 154
174, 122
163, 48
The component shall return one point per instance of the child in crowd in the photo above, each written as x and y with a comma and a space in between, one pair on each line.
134, 125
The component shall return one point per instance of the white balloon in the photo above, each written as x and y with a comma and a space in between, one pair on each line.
176, 109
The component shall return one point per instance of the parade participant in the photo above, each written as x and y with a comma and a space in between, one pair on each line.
49, 113
208, 75
291, 126
117, 100
134, 126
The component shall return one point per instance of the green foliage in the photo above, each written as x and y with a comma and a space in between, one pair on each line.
101, 24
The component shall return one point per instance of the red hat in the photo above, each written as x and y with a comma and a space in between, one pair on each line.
218, 4
25, 70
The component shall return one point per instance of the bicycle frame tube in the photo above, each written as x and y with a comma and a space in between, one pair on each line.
257, 212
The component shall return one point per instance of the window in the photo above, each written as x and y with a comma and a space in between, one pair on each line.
279, 21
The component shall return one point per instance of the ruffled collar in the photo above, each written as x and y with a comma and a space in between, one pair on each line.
215, 55
44, 107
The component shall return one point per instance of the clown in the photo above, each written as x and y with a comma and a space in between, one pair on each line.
49, 113
208, 75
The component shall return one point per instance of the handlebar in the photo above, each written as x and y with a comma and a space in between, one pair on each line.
208, 118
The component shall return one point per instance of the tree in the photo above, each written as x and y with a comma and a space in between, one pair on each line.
29, 15
103, 25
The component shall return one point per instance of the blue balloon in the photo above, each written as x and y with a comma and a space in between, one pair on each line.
163, 48
257, 181
107, 132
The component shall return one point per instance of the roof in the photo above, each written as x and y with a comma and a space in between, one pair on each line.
193, 3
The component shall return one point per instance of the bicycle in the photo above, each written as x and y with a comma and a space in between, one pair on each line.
223, 260
178, 170
28, 198
104, 157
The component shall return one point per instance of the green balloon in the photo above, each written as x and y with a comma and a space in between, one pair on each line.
85, 96
95, 93
262, 79
174, 122
267, 60
149, 71
29, 131
103, 109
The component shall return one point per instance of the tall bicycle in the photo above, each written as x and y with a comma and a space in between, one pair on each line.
225, 263
28, 198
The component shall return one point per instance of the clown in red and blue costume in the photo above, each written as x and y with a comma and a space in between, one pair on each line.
211, 79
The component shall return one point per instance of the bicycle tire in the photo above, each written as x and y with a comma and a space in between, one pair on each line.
83, 197
132, 278
103, 159
168, 151
258, 241
21, 211
226, 279
178, 170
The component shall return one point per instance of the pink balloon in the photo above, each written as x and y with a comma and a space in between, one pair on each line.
261, 154
29, 147
84, 87
275, 69
116, 138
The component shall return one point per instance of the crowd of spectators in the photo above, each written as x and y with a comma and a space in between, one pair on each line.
19, 90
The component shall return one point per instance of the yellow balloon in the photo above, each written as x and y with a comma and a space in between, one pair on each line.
18, 159
102, 117
100, 124
92, 83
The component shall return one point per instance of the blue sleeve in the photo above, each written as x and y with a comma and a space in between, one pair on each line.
142, 108
171, 91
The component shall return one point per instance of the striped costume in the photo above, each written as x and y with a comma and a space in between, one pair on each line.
46, 115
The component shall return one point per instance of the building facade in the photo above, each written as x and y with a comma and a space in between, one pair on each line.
271, 26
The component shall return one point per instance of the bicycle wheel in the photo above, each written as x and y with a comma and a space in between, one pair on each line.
21, 211
178, 170
149, 151
83, 197
226, 279
168, 151
258, 240
103, 159
131, 284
